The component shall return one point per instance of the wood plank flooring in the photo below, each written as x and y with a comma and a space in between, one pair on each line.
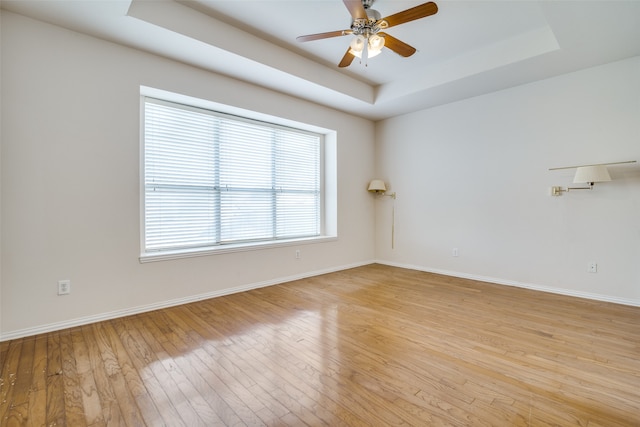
370, 346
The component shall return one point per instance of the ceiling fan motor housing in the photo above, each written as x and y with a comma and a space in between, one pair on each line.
368, 26
373, 15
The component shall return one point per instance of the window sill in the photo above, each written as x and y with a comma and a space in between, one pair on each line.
226, 249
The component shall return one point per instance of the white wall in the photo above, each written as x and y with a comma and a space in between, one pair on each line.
471, 175
70, 182
474, 175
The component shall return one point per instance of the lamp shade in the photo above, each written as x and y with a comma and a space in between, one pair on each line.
597, 173
377, 185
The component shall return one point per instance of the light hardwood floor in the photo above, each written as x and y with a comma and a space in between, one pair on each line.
371, 346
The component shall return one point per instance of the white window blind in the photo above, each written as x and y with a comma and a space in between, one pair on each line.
212, 179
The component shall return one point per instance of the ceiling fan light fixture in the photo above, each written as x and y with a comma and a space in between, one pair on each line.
371, 46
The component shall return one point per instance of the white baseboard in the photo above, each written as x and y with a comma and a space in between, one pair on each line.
21, 333
535, 287
180, 301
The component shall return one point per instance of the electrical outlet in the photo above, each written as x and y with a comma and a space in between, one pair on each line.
64, 287
593, 267
298, 254
455, 252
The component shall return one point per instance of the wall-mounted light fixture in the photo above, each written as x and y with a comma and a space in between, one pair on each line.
588, 174
378, 187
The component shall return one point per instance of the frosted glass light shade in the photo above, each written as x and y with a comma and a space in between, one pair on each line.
377, 185
597, 173
376, 43
357, 46
371, 53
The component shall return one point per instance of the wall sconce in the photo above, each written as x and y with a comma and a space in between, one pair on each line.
588, 174
378, 187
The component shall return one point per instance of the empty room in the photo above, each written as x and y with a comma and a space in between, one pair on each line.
320, 213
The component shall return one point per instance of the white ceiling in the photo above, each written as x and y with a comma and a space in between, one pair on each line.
468, 48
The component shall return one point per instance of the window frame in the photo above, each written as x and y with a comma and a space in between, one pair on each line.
328, 223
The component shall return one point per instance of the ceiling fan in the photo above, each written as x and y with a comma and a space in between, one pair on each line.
366, 26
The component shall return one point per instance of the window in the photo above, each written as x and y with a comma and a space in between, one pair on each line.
212, 179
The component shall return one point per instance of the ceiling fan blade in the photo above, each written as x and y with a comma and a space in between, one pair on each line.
347, 59
327, 35
356, 9
421, 11
399, 47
